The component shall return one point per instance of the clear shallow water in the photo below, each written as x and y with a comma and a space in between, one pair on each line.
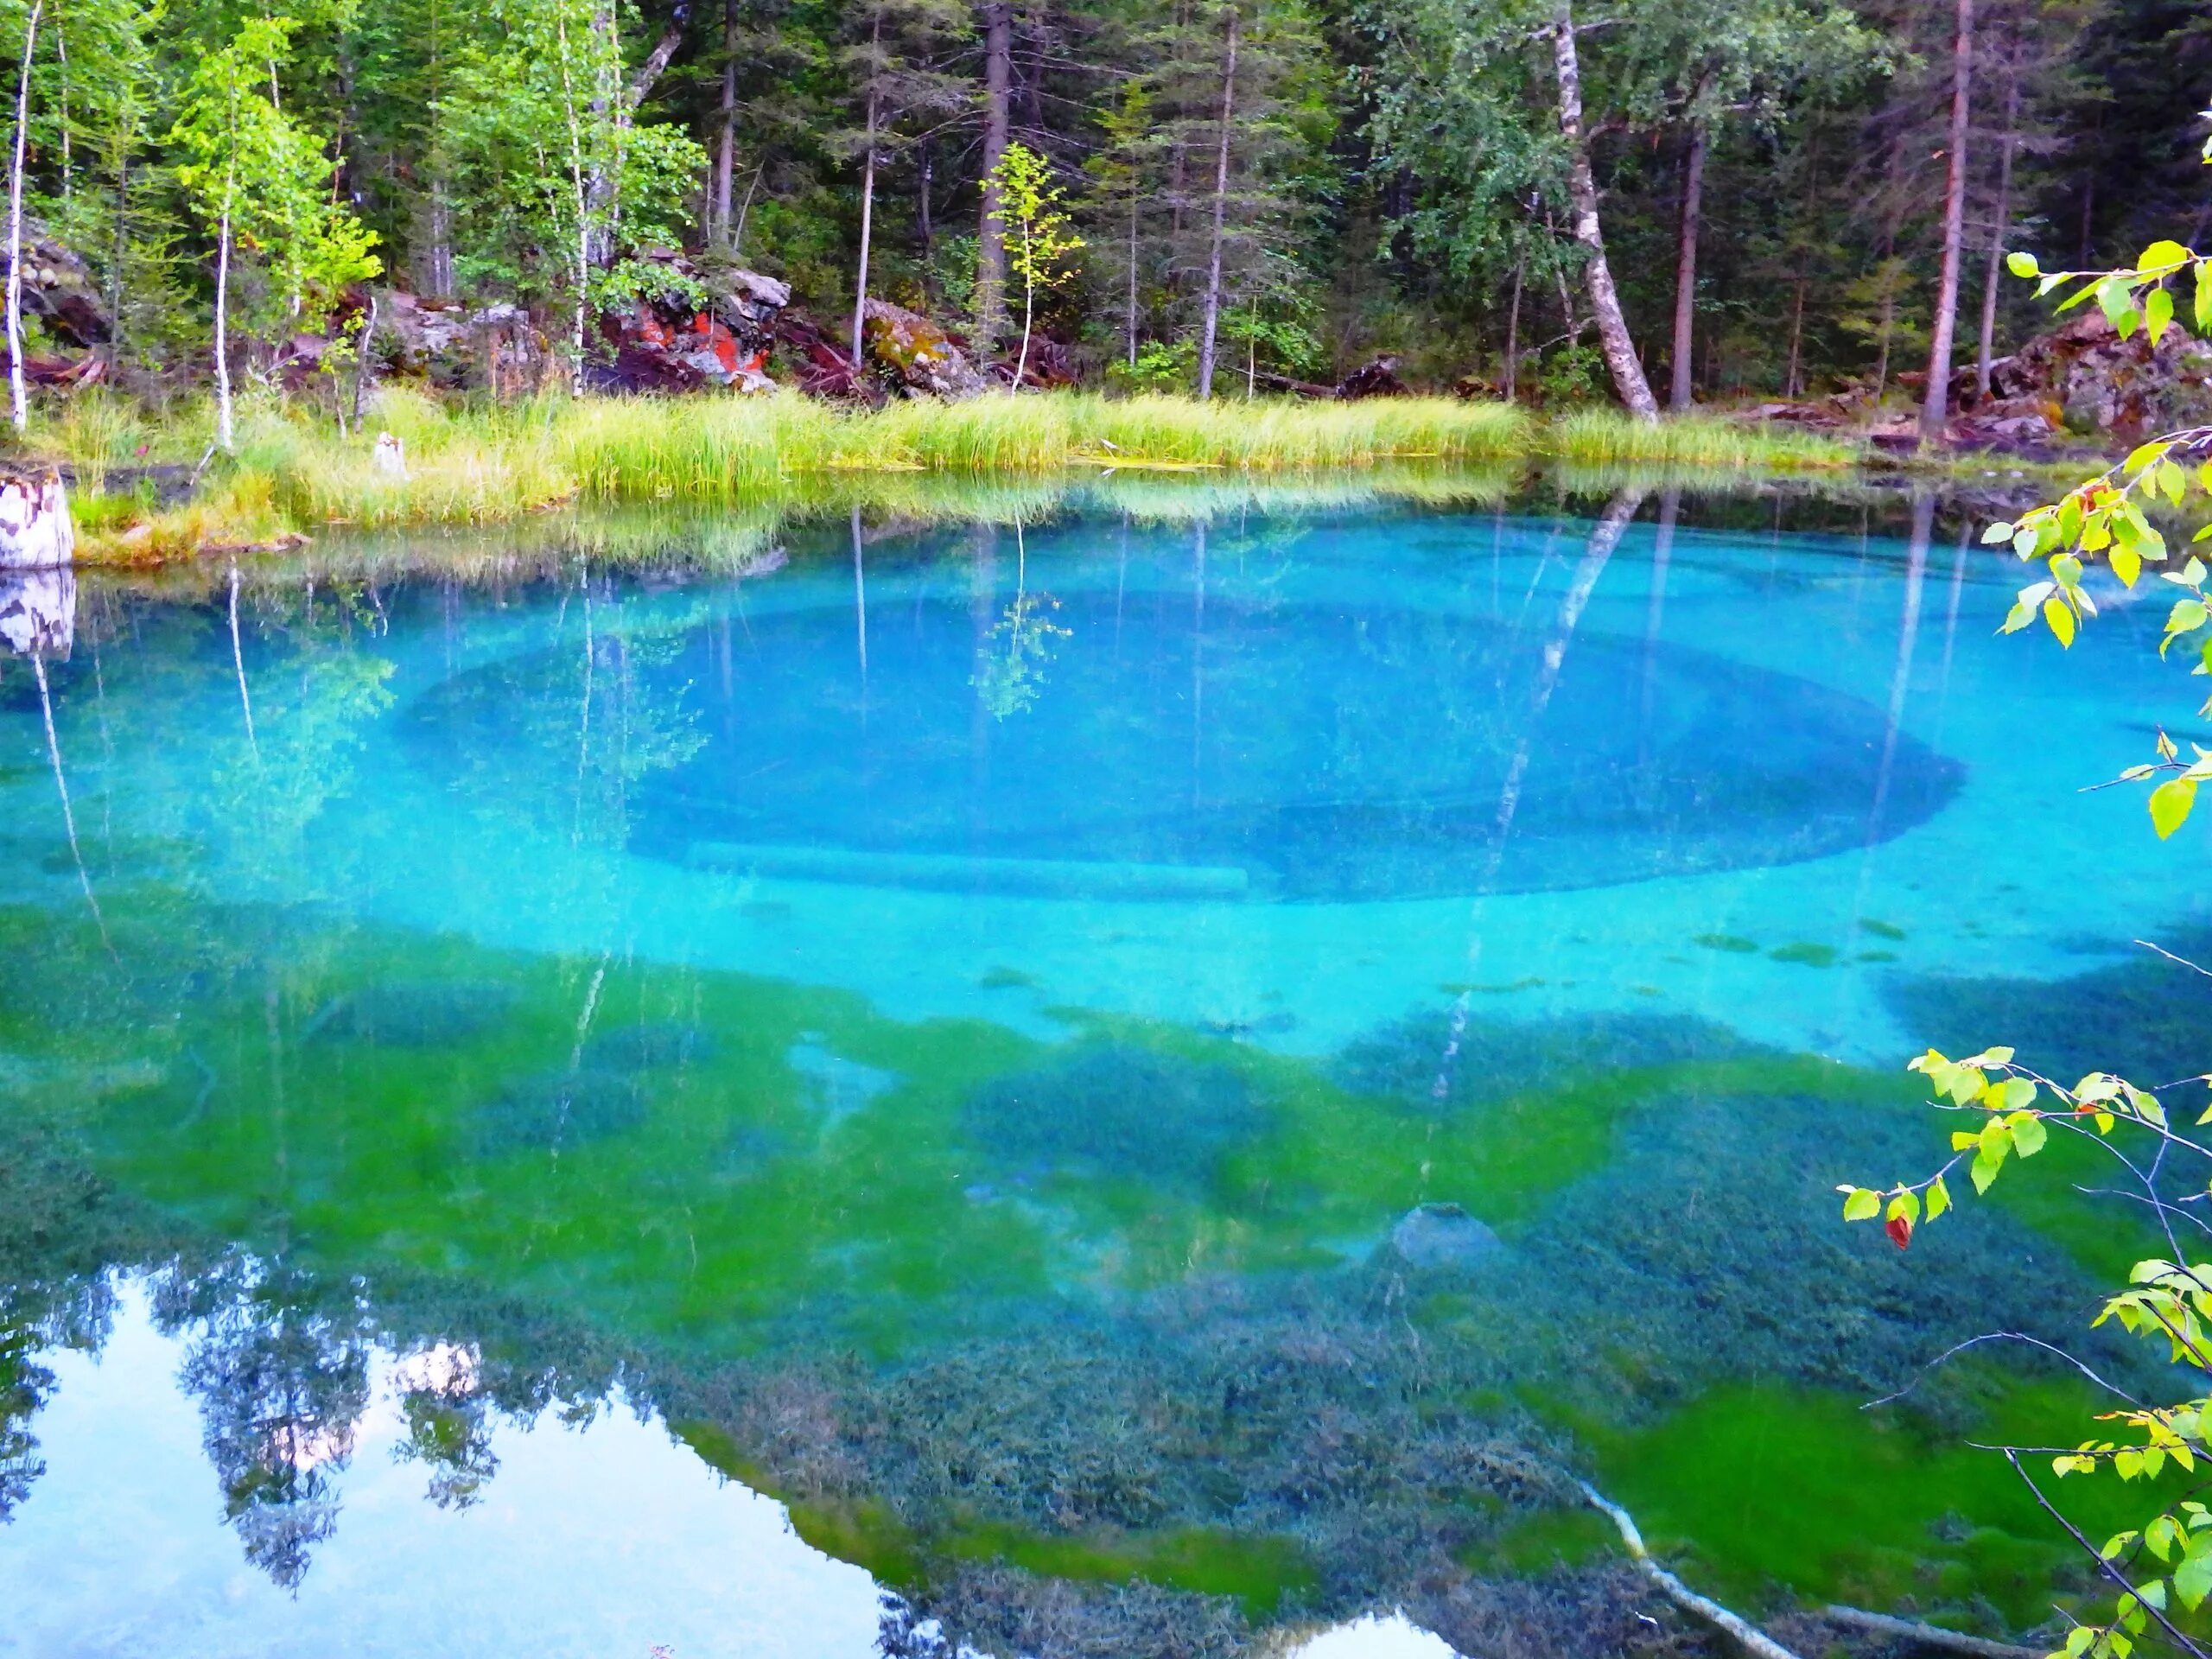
955, 1035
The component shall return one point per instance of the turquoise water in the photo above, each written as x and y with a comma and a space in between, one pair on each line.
1118, 1081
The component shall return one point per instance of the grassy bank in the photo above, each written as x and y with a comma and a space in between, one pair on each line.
292, 474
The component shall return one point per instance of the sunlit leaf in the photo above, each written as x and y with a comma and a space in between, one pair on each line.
2059, 617
2158, 313
2170, 805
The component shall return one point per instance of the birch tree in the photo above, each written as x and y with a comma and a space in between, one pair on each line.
260, 181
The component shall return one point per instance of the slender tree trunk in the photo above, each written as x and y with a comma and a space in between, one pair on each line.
1220, 208
1621, 361
1994, 272
1679, 395
867, 227
1136, 196
364, 348
726, 135
1882, 356
1513, 330
737, 235
223, 320
62, 63
1792, 385
990, 241
581, 186
1936, 409
19, 395
924, 181
118, 253
1028, 318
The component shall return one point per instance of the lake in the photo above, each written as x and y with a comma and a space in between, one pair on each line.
1075, 1074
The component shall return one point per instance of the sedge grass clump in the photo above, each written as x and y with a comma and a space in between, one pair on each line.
470, 469
93, 433
1605, 434
1265, 434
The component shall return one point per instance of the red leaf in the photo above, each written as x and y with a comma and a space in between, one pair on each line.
1899, 1229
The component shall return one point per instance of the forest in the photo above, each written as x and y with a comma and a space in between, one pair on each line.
1660, 202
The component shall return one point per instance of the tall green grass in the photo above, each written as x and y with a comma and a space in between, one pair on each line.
1600, 436
636, 449
476, 464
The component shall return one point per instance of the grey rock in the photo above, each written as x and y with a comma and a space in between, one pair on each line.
1444, 1236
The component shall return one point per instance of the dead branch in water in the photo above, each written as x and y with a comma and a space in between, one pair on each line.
1749, 1637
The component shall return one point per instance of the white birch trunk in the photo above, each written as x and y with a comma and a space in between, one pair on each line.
19, 394
1220, 211
1613, 340
223, 423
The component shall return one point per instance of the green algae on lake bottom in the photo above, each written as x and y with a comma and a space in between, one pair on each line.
729, 1201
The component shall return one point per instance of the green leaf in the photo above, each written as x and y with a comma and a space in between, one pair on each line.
2126, 564
2144, 453
2204, 296
2023, 264
1997, 532
2161, 257
2193, 1577
1863, 1204
2028, 1133
2173, 482
2060, 619
1939, 1198
2118, 303
1984, 1170
2170, 805
2158, 313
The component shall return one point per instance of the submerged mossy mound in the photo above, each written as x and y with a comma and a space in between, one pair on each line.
1114, 1112
1440, 1061
555, 1111
2144, 1017
426, 1013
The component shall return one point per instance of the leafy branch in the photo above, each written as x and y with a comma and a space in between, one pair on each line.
2168, 1301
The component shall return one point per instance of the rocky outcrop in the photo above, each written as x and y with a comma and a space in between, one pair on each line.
708, 327
36, 532
497, 348
59, 290
2085, 377
915, 355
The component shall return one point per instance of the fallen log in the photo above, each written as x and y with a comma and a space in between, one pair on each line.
1747, 1636
1927, 1635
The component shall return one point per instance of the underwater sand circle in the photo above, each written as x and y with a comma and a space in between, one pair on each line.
1290, 750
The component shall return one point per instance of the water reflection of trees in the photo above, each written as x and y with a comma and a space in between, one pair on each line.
282, 1384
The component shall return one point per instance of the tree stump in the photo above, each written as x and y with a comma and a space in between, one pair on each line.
38, 612
35, 530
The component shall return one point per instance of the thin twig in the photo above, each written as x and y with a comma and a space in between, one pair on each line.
2001, 1336
2105, 1568
2169, 956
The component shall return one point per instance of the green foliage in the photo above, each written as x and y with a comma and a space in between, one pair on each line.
261, 182
1040, 241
